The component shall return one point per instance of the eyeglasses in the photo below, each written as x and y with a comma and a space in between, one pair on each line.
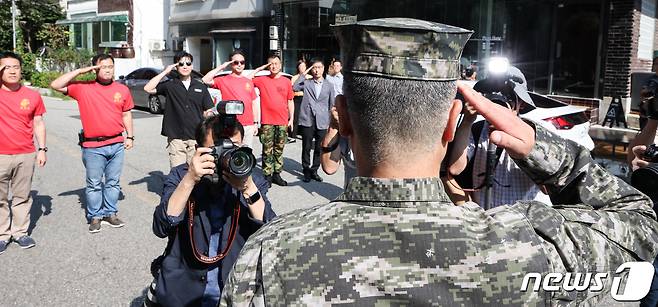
181, 64
238, 62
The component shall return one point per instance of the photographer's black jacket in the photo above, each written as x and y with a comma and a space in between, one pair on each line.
182, 279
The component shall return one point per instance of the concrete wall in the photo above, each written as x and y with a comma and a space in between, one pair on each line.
185, 11
77, 7
148, 27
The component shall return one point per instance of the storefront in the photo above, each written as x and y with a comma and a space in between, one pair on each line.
557, 44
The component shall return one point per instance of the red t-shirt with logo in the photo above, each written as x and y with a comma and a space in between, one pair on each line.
238, 88
101, 109
17, 112
274, 96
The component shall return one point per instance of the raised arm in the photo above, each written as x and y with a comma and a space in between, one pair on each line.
257, 70
63, 81
457, 158
151, 86
208, 78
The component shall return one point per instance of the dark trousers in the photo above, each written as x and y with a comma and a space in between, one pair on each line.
295, 121
308, 135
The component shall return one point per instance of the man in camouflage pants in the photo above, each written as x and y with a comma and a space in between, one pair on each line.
277, 109
394, 238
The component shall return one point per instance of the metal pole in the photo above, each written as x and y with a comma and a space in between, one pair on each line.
13, 21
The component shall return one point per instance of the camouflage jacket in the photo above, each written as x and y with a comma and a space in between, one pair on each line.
402, 242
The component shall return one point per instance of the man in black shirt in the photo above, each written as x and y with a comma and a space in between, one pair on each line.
188, 101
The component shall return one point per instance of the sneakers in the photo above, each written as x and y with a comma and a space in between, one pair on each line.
95, 225
112, 221
276, 179
290, 140
3, 246
25, 242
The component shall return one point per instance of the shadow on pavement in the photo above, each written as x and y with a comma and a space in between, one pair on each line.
325, 189
81, 196
41, 205
154, 182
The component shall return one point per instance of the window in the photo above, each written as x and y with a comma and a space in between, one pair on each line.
77, 35
105, 31
113, 31
118, 32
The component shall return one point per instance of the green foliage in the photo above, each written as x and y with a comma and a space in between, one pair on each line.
29, 65
34, 14
54, 36
65, 59
43, 79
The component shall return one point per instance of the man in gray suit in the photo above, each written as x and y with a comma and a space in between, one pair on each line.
314, 117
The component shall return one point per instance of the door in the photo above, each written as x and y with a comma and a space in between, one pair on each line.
576, 48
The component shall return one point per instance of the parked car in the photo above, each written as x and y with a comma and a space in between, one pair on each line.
136, 80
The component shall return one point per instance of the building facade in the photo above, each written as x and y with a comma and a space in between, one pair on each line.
211, 30
583, 48
133, 31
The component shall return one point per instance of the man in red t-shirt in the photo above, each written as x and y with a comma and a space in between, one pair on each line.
22, 112
236, 86
277, 111
105, 113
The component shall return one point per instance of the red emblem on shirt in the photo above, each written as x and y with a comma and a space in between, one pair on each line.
25, 104
117, 97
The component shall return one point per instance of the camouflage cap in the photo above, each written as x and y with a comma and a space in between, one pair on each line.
402, 48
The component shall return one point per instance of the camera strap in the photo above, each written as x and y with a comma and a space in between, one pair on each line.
231, 235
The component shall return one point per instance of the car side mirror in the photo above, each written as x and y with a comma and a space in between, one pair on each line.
122, 77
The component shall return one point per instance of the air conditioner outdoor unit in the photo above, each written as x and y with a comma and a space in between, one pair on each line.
157, 45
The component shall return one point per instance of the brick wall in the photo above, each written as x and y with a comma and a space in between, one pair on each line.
621, 40
622, 47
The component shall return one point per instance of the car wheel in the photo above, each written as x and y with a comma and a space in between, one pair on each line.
155, 106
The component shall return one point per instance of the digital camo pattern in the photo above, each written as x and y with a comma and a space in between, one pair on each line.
401, 242
402, 48
274, 140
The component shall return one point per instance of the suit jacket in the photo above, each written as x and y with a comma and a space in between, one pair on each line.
314, 104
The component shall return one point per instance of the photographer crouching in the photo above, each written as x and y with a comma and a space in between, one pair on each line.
208, 210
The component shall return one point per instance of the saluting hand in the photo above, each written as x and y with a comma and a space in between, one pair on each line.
2, 66
512, 133
170, 68
89, 68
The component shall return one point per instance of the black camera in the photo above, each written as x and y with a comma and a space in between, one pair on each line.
651, 154
238, 161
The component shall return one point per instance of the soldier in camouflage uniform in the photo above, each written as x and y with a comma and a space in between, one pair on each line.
394, 238
277, 110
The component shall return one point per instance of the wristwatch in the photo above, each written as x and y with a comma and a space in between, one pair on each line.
45, 149
253, 198
132, 138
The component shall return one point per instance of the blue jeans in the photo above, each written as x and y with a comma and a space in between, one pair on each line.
105, 161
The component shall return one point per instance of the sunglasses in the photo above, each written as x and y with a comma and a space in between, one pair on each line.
181, 64
238, 62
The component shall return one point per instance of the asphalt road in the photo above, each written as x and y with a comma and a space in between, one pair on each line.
71, 267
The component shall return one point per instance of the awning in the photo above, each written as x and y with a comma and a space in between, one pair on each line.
112, 18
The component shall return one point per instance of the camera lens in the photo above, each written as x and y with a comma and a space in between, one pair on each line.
241, 163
